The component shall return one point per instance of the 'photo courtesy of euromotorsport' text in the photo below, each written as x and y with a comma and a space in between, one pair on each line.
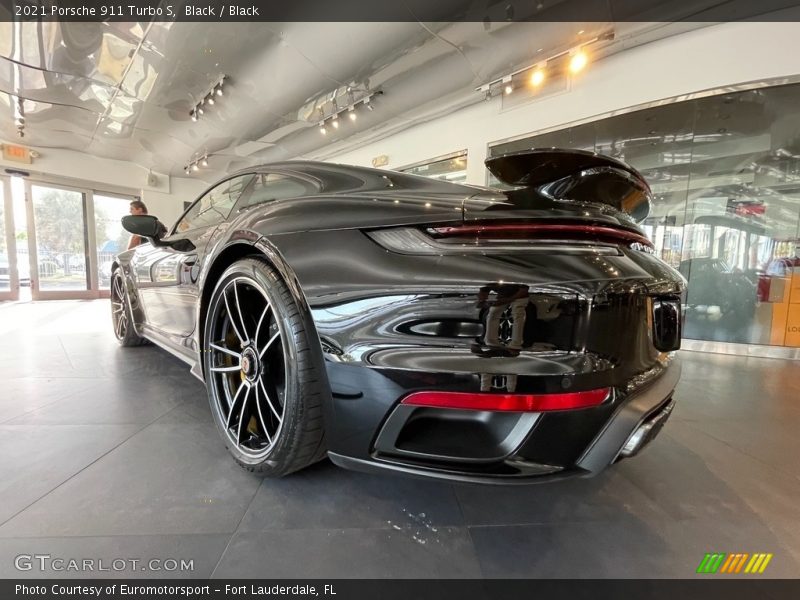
344, 299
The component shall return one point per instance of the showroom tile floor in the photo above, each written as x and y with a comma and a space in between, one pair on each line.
111, 453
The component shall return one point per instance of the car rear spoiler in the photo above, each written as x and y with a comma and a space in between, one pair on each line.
576, 175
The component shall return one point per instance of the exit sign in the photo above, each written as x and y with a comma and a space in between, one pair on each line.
16, 153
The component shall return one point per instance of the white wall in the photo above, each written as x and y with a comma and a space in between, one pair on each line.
169, 206
164, 198
711, 57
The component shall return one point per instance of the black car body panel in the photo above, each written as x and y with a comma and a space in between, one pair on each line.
523, 312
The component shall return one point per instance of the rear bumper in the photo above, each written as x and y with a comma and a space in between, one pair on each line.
647, 402
646, 405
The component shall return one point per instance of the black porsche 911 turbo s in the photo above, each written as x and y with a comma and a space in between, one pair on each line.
393, 322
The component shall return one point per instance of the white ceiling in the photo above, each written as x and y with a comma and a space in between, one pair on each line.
125, 90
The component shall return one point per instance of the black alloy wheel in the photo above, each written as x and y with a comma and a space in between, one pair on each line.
263, 385
121, 317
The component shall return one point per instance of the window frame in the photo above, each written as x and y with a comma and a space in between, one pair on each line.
239, 208
173, 229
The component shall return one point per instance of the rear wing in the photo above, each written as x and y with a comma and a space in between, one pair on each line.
576, 175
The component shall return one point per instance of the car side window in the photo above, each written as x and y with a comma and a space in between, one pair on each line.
215, 206
274, 186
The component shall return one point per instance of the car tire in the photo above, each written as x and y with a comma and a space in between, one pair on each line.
264, 382
121, 315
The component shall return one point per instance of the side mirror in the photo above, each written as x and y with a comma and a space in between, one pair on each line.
149, 227
143, 225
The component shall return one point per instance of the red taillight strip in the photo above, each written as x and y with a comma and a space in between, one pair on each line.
508, 402
598, 231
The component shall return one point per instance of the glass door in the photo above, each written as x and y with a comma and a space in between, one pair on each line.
58, 241
110, 237
9, 274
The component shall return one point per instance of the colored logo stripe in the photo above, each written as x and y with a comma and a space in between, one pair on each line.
758, 563
720, 562
711, 563
734, 563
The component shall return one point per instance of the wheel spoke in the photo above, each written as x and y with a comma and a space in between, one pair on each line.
269, 401
261, 417
240, 427
230, 316
234, 402
268, 344
239, 310
230, 369
226, 351
251, 323
261, 320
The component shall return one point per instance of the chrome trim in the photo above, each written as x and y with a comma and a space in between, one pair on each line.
644, 434
756, 350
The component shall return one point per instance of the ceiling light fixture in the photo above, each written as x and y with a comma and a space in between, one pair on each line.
577, 61
350, 108
208, 98
198, 160
19, 117
508, 86
538, 75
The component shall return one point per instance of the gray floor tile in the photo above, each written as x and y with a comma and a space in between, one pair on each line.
327, 497
646, 549
24, 394
146, 556
117, 400
195, 410
607, 496
775, 444
37, 459
350, 553
166, 479
693, 476
723, 388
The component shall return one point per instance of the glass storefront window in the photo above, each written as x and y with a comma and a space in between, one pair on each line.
5, 263
111, 237
725, 173
452, 169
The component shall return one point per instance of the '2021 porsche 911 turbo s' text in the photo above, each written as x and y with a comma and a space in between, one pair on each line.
393, 322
